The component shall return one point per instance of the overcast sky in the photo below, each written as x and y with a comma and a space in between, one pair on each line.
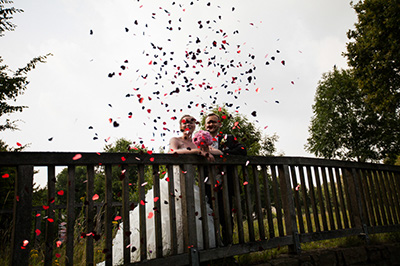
263, 58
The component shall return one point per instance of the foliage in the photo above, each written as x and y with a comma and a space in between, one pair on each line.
6, 16
374, 52
255, 141
344, 125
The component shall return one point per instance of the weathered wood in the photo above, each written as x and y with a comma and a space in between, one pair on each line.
227, 207
172, 212
50, 233
184, 209
108, 215
395, 195
303, 189
277, 200
38, 227
349, 191
328, 199
380, 200
389, 193
385, 197
368, 211
289, 210
297, 199
335, 199
377, 219
260, 216
237, 204
214, 200
321, 200
203, 208
249, 206
157, 211
125, 213
313, 202
188, 178
339, 179
69, 254
89, 214
142, 214
268, 206
21, 227
318, 236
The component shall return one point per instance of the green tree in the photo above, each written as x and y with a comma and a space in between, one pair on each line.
374, 52
344, 125
255, 141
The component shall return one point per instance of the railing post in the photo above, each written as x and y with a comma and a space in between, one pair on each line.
22, 218
360, 222
188, 199
69, 254
289, 210
50, 227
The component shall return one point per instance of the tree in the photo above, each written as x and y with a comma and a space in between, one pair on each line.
12, 83
374, 53
255, 141
344, 125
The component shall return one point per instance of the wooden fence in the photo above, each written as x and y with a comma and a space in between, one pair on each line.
278, 201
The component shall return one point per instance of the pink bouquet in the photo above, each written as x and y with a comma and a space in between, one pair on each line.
202, 138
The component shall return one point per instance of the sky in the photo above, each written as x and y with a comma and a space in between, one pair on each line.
128, 68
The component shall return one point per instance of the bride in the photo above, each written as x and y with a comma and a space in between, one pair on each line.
177, 145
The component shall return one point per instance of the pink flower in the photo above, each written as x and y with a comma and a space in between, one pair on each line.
202, 138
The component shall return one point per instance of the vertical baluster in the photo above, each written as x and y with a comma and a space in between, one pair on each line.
172, 211
157, 211
271, 229
108, 215
368, 211
288, 206
380, 192
238, 205
203, 207
227, 207
50, 227
69, 259
339, 179
389, 193
22, 223
395, 195
303, 189
89, 214
260, 216
321, 199
335, 198
277, 199
125, 213
374, 197
297, 199
249, 207
215, 199
347, 182
313, 202
328, 199
142, 214
396, 186
188, 179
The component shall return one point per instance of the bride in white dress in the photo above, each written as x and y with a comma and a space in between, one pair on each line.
178, 145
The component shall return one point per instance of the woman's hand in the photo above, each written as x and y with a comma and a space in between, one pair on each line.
208, 155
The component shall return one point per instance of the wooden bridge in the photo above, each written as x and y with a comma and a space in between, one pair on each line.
313, 199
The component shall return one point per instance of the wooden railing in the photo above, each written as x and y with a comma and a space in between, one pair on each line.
278, 201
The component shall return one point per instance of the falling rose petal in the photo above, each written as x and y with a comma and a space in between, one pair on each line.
45, 207
142, 202
298, 187
58, 255
150, 215
150, 152
247, 163
117, 218
19, 144
38, 232
123, 158
38, 214
58, 243
128, 246
145, 183
51, 220
156, 199
77, 157
245, 183
61, 192
206, 179
5, 176
152, 159
95, 197
167, 179
25, 243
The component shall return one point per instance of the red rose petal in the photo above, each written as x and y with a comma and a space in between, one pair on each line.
61, 192
150, 215
77, 157
117, 218
95, 197
38, 232
5, 176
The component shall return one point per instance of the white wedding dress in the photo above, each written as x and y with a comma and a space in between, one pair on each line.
118, 245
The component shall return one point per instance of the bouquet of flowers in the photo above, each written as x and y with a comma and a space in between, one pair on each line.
202, 139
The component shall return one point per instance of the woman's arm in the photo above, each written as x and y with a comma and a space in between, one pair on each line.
215, 151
